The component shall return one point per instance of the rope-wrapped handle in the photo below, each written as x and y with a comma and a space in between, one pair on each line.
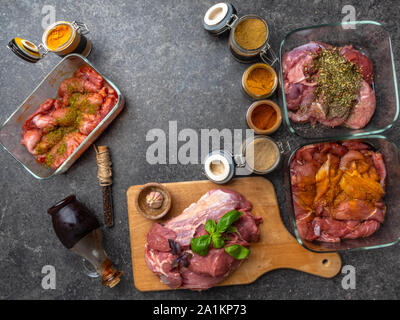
104, 170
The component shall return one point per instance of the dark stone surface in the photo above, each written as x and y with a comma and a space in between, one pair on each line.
168, 68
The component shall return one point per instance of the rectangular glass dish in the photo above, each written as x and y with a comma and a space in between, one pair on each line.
10, 131
389, 232
371, 39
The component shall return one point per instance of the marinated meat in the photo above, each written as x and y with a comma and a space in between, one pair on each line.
338, 190
301, 74
362, 61
199, 272
59, 126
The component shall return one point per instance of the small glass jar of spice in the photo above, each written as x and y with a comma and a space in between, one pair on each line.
264, 117
61, 38
259, 81
249, 34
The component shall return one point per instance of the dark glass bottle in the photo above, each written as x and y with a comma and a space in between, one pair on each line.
79, 231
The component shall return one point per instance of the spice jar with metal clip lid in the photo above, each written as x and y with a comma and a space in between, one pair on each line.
258, 154
61, 38
248, 35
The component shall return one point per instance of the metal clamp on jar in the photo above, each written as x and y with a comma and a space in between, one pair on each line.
248, 37
61, 37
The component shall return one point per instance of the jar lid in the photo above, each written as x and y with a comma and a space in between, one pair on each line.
25, 49
219, 166
219, 18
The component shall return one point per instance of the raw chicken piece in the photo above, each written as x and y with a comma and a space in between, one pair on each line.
76, 85
31, 138
42, 117
58, 126
88, 73
62, 150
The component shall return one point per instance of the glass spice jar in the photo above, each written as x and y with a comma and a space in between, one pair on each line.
222, 17
75, 42
247, 73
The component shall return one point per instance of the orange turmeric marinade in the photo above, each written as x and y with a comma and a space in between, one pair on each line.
338, 191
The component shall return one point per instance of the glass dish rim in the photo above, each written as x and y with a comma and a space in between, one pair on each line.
291, 212
61, 168
282, 85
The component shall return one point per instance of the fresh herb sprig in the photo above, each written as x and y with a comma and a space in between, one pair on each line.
201, 245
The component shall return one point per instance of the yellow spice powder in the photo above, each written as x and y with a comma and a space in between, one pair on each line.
251, 33
58, 36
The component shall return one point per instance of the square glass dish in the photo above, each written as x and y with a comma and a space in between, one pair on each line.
371, 39
10, 131
389, 232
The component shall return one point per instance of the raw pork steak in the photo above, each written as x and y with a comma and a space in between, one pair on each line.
199, 272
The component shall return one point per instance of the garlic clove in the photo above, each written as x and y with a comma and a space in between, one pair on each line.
154, 200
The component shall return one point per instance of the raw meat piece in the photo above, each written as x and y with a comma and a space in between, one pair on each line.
360, 60
31, 138
87, 73
201, 272
58, 126
213, 205
300, 84
363, 111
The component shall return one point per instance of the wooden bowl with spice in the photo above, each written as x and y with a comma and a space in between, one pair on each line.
264, 117
259, 81
153, 201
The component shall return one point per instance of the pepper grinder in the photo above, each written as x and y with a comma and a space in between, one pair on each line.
79, 231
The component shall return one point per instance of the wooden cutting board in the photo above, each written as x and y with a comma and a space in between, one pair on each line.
276, 249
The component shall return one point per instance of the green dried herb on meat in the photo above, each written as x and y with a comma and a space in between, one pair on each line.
49, 160
62, 148
338, 83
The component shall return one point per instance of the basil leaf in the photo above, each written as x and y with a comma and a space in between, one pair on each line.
210, 226
227, 219
201, 244
237, 251
231, 229
217, 241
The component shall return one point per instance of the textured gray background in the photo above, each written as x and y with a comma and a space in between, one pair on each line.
168, 68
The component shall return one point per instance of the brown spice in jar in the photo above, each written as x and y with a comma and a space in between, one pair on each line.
264, 117
261, 154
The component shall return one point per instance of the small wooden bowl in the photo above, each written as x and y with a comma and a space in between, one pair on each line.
144, 209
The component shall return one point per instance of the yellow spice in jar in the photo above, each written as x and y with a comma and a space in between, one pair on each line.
58, 36
251, 33
261, 154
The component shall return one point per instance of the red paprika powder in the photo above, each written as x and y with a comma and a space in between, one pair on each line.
264, 117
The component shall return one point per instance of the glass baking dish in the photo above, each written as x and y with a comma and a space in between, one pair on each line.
10, 131
373, 40
389, 232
